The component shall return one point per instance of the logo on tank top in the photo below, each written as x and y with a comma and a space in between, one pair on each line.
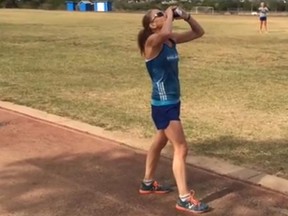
172, 57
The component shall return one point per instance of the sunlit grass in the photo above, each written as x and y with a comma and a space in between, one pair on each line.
87, 66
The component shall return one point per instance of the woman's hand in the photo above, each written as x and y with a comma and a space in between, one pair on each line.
169, 11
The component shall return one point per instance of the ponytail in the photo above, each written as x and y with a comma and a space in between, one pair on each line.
142, 38
145, 32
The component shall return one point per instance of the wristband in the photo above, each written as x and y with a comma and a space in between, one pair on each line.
188, 18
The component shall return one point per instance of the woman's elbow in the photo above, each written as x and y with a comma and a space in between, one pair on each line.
201, 32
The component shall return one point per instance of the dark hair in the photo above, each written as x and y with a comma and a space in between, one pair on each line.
145, 32
264, 3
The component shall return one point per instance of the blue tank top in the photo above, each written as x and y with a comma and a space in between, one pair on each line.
163, 71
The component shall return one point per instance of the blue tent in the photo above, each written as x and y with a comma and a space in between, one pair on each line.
85, 6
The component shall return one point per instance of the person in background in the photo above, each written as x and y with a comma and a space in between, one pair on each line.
157, 43
263, 10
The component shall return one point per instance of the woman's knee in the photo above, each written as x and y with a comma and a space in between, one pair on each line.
181, 150
159, 144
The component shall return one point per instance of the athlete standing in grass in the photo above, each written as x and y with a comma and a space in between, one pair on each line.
263, 10
157, 44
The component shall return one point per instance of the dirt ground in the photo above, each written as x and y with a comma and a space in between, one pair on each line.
49, 170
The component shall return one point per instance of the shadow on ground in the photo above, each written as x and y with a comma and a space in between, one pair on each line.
106, 183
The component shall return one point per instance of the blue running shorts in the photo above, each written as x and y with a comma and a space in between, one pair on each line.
162, 115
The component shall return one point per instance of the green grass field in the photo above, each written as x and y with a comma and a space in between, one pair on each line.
87, 66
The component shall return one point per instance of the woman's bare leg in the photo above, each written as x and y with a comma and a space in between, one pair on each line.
153, 155
265, 25
175, 134
261, 26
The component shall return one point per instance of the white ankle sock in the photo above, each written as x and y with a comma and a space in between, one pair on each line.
147, 182
184, 197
